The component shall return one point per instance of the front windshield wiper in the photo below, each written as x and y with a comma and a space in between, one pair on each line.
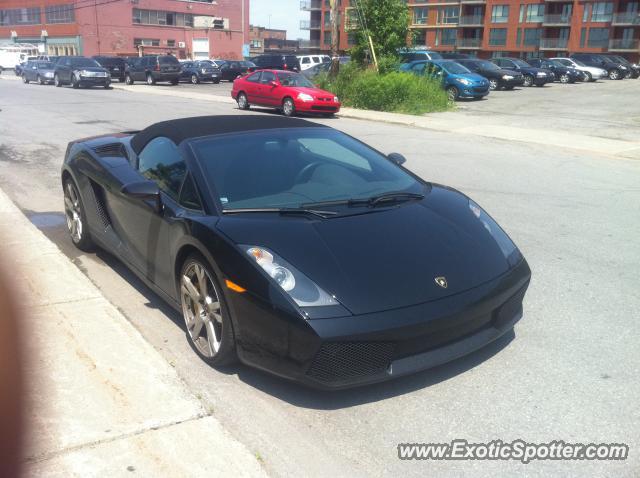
371, 201
282, 210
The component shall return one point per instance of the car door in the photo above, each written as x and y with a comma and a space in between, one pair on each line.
64, 70
268, 92
252, 87
30, 71
185, 71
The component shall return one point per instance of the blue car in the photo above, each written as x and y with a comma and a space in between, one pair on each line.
457, 80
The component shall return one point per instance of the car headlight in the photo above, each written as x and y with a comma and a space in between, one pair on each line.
464, 81
48, 74
305, 97
622, 67
507, 77
540, 74
506, 245
300, 288
203, 71
634, 65
336, 100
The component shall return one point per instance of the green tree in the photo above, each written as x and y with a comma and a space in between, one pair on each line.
386, 21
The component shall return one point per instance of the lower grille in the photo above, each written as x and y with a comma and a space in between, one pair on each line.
342, 361
324, 108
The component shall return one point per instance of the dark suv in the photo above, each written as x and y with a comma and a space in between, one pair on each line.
530, 74
198, 71
114, 64
615, 70
275, 62
152, 69
79, 71
634, 68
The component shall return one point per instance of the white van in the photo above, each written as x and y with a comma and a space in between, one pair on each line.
14, 54
307, 61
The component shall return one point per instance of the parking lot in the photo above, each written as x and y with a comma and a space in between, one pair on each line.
568, 373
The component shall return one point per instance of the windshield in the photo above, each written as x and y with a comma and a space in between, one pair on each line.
291, 167
84, 62
247, 64
455, 68
435, 55
521, 64
487, 65
294, 79
45, 65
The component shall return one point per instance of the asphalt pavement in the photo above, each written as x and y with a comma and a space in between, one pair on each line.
569, 372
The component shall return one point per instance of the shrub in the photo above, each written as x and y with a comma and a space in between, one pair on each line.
391, 91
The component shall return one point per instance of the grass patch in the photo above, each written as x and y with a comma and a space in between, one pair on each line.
391, 91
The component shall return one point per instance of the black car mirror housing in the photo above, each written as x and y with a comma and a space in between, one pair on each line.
145, 191
397, 158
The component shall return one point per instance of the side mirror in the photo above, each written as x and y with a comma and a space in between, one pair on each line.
273, 84
145, 191
397, 158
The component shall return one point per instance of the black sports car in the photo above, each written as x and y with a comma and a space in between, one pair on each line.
295, 247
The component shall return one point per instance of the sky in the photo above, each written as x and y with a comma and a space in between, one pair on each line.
284, 15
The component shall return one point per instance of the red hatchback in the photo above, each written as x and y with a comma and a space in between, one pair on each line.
285, 91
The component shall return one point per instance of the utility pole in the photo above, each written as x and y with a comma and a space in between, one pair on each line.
335, 39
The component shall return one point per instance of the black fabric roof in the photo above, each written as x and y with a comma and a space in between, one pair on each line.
184, 128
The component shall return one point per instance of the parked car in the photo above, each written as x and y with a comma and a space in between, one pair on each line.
615, 70
634, 68
457, 80
50, 58
455, 56
232, 69
18, 68
199, 71
591, 73
265, 236
498, 78
79, 71
307, 61
152, 69
114, 64
408, 56
561, 73
39, 71
288, 92
531, 75
275, 62
316, 70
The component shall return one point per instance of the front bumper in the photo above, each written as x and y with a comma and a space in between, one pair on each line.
334, 353
95, 80
473, 91
543, 80
317, 107
515, 81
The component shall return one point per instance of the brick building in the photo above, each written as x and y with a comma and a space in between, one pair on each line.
196, 28
488, 28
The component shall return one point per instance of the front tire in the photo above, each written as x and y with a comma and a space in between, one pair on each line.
205, 312
453, 93
25, 80
528, 80
74, 82
195, 80
56, 81
564, 78
40, 80
243, 103
150, 80
76, 217
128, 80
493, 84
588, 76
614, 75
288, 107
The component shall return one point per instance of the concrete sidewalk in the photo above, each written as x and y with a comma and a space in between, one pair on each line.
102, 401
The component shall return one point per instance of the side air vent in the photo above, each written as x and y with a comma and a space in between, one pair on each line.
111, 150
101, 207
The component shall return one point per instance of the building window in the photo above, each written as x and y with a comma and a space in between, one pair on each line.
500, 14
420, 15
583, 36
519, 37
155, 17
171, 43
145, 42
420, 38
20, 16
59, 14
532, 36
598, 37
256, 44
327, 38
498, 36
352, 39
602, 12
448, 15
448, 36
535, 13
521, 17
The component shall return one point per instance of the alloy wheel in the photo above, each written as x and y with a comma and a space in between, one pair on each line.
128, 80
613, 75
287, 107
452, 93
40, 80
73, 212
564, 78
201, 309
243, 104
528, 80
194, 79
493, 85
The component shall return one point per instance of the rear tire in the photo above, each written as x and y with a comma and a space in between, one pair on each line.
588, 76
25, 80
150, 80
175, 82
77, 224
128, 80
40, 80
208, 323
243, 103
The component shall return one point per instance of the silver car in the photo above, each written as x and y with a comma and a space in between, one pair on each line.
591, 73
38, 71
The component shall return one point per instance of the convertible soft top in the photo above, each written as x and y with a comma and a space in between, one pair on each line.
185, 128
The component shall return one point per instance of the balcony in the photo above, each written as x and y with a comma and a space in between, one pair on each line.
554, 19
469, 43
309, 44
553, 43
309, 24
626, 19
624, 45
468, 2
471, 21
310, 5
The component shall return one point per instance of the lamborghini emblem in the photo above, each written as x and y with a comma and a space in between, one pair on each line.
441, 281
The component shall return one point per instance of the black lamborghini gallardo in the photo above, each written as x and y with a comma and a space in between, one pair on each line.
296, 248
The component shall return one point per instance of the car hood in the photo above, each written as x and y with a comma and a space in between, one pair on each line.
387, 258
475, 77
315, 92
45, 70
500, 73
97, 69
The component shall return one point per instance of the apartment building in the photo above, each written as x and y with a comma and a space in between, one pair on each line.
186, 28
265, 40
490, 28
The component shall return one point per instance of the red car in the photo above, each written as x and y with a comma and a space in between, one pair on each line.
285, 91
